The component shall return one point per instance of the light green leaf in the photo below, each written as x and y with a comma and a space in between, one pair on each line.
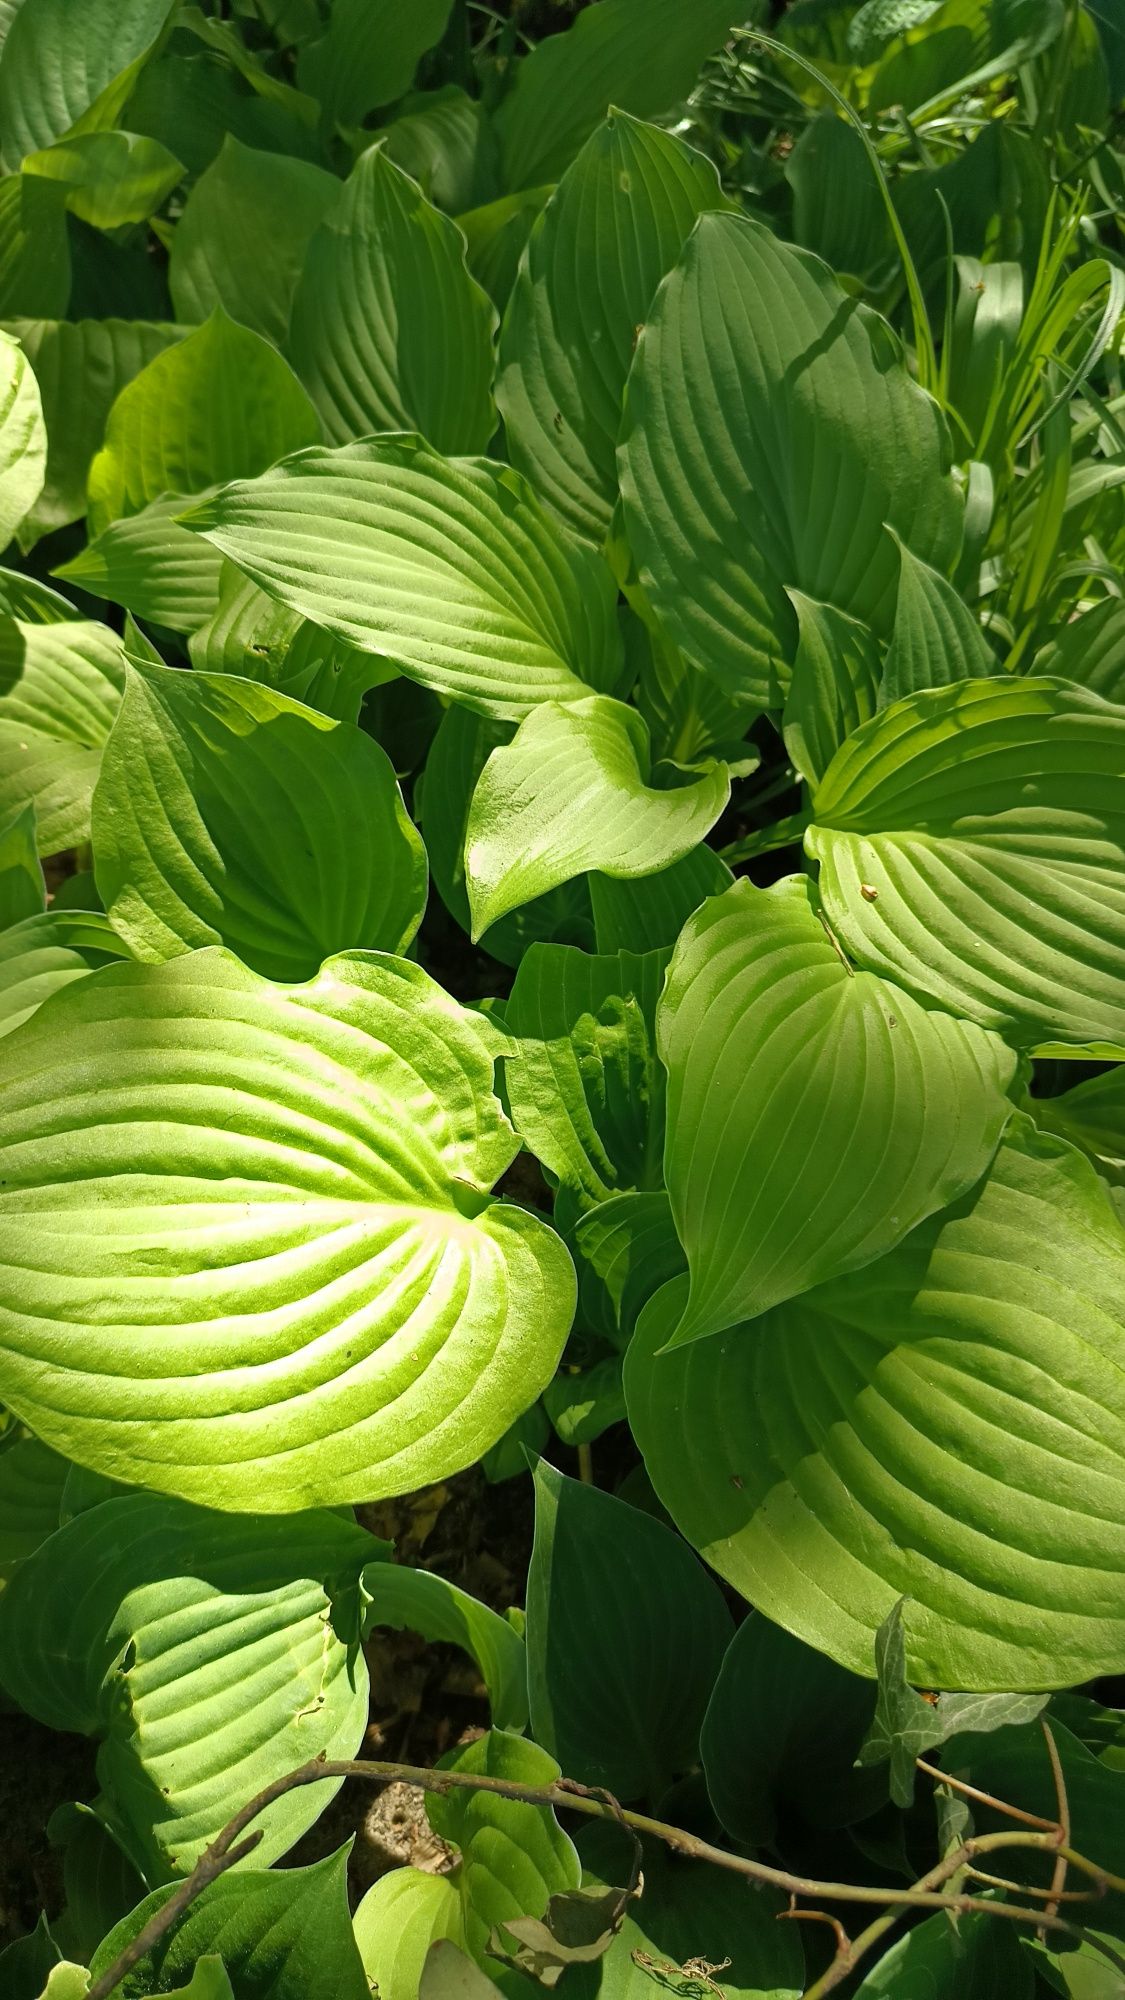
649, 914
641, 55
311, 1299
55, 66
447, 566
63, 685
584, 1088
400, 1917
389, 332
770, 431
110, 178
25, 597
834, 686
81, 367
23, 892
780, 1736
254, 636
815, 1114
211, 1653
614, 227
458, 754
625, 1634
281, 1933
935, 639
583, 1404
243, 235
625, 1249
49, 951
153, 567
369, 54
570, 794
218, 405
1091, 1115
228, 814
31, 1484
970, 841
946, 1425
23, 438
420, 1601
68, 1981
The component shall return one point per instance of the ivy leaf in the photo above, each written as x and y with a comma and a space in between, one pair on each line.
330, 1311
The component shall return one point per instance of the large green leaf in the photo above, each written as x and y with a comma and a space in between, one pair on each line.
48, 951
109, 178
649, 914
399, 1918
421, 1601
221, 404
625, 1634
976, 1961
243, 235
571, 793
584, 1088
23, 438
283, 1934
228, 814
57, 67
641, 55
389, 332
153, 567
935, 638
571, 323
963, 39
212, 1653
62, 688
946, 1425
1090, 650
252, 1257
971, 841
81, 367
449, 567
815, 1114
368, 55
770, 431
31, 1483
253, 635
625, 1249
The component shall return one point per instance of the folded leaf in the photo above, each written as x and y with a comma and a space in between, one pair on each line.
23, 438
570, 794
389, 332
420, 1601
221, 404
1091, 1115
227, 814
252, 635
56, 65
447, 566
49, 951
834, 686
153, 567
110, 178
253, 1223
571, 323
947, 1425
514, 1856
244, 234
770, 431
971, 842
63, 685
816, 1115
935, 639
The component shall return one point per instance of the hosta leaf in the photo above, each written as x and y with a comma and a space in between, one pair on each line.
584, 1088
838, 207
935, 638
447, 566
260, 1216
243, 235
23, 438
55, 66
227, 814
211, 1653
458, 754
815, 1114
641, 55
35, 263
255, 636
48, 951
625, 1634
31, 1484
400, 1917
369, 54
282, 1934
962, 39
625, 1249
1090, 650
946, 1425
24, 597
780, 1735
571, 794
418, 1600
1092, 1116
63, 685
110, 178
495, 236
583, 1404
834, 685
81, 366
445, 140
975, 1961
153, 567
688, 715
389, 332
649, 914
100, 1883
970, 841
770, 431
218, 405
571, 323
23, 892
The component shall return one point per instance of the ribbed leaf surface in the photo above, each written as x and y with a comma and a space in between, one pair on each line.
23, 438
49, 951
153, 567
56, 63
63, 684
243, 236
